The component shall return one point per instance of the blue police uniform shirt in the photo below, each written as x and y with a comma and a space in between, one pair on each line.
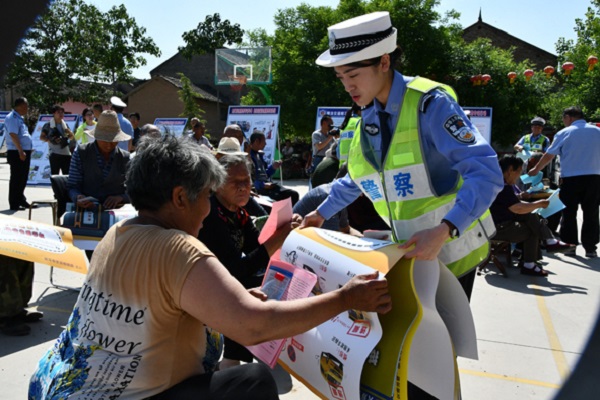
446, 156
14, 123
577, 145
127, 128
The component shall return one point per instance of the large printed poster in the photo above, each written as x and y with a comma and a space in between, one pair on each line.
481, 117
171, 126
337, 115
3, 134
262, 118
39, 171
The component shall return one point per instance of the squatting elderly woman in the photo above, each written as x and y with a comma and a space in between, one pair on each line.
143, 323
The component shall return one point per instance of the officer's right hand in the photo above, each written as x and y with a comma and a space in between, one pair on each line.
313, 218
22, 155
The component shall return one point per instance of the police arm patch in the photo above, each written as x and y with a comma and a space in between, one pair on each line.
457, 128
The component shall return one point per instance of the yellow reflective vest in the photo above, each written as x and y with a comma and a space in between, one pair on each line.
401, 189
346, 138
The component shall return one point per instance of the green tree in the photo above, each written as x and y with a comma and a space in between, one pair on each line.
189, 98
581, 87
513, 104
299, 85
73, 48
120, 45
210, 35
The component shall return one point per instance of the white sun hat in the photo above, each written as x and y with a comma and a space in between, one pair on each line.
360, 38
229, 145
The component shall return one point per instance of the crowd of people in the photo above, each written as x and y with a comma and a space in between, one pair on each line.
185, 271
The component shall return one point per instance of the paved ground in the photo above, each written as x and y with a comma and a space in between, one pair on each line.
531, 331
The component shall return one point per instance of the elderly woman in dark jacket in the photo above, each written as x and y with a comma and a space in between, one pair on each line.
231, 235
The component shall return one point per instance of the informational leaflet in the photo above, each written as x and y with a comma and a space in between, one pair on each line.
281, 213
39, 171
257, 118
555, 205
171, 126
299, 287
43, 243
360, 355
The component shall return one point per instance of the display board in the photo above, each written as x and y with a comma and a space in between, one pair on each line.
171, 126
481, 117
262, 118
39, 170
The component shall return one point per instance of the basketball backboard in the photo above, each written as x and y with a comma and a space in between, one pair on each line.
244, 66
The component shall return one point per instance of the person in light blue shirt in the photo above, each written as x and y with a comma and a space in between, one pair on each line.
118, 106
578, 146
18, 154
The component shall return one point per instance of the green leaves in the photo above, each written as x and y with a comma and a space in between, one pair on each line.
73, 48
210, 35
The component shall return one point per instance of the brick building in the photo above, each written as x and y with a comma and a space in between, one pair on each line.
539, 58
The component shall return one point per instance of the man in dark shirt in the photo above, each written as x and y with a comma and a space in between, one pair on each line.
263, 171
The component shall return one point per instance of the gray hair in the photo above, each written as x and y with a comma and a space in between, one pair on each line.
160, 165
232, 127
229, 161
149, 129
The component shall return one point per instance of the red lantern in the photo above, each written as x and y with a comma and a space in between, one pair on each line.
549, 70
528, 74
485, 78
568, 67
512, 76
592, 60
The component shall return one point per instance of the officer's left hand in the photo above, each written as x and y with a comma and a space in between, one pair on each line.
428, 243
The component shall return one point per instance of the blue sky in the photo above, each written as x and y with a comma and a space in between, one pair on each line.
539, 22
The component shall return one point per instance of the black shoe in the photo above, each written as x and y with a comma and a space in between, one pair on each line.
591, 254
559, 247
27, 205
19, 208
535, 271
29, 316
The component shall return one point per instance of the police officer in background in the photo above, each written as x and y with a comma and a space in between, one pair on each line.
534, 141
428, 171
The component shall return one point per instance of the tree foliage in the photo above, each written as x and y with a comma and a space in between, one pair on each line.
210, 35
72, 48
189, 98
299, 85
582, 86
513, 104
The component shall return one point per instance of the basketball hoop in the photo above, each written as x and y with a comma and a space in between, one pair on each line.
241, 82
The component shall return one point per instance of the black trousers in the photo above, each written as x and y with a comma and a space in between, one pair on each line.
59, 162
248, 382
524, 228
584, 191
16, 285
19, 171
277, 193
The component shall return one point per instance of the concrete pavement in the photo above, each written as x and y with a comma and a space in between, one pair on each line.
531, 331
